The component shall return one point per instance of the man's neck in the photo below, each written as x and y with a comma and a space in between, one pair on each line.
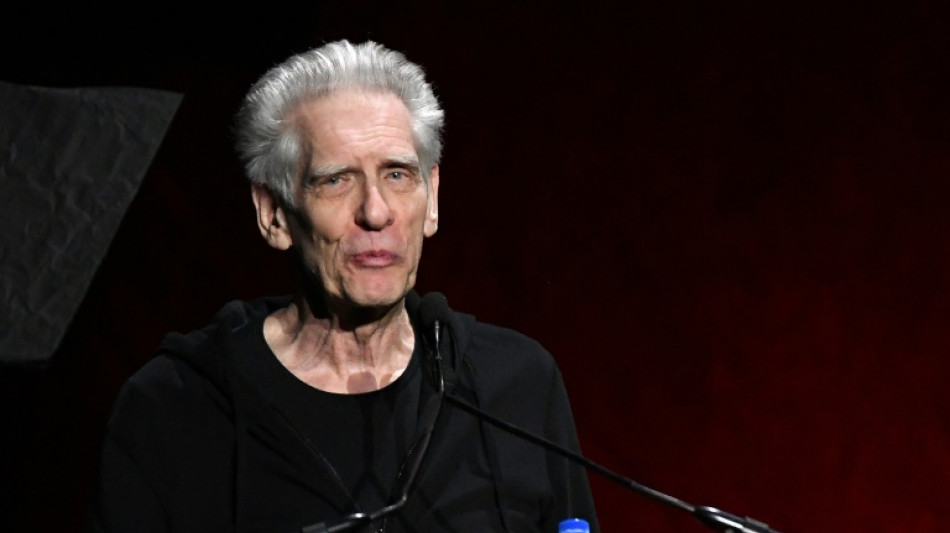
338, 355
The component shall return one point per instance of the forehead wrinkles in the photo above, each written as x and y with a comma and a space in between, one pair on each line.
347, 130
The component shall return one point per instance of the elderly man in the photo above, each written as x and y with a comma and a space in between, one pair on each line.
323, 410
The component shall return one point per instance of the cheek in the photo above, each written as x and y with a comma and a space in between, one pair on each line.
318, 239
323, 224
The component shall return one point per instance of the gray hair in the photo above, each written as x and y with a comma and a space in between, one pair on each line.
270, 148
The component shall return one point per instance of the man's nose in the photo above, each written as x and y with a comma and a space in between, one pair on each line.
375, 212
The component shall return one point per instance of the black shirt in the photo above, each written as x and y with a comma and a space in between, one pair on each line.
363, 438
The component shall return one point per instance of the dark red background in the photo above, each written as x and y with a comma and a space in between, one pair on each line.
727, 221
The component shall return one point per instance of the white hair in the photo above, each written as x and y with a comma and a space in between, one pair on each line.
271, 150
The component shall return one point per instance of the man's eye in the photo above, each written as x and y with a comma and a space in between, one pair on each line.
397, 174
331, 180
328, 185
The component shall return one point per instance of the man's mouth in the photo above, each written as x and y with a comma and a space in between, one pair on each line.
374, 258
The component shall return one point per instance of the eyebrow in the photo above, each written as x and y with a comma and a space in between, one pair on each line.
324, 171
408, 161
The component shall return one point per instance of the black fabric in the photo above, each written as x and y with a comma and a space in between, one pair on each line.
193, 445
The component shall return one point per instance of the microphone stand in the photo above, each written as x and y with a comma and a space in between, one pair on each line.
714, 518
434, 311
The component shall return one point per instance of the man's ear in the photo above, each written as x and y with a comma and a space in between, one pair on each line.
271, 218
432, 204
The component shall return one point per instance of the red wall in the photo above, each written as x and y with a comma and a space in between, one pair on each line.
727, 224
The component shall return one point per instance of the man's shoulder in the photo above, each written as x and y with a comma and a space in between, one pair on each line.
491, 335
231, 317
496, 347
183, 359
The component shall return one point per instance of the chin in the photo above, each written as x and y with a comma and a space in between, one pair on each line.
376, 290
377, 297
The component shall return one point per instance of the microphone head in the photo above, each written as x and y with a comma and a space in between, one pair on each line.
433, 307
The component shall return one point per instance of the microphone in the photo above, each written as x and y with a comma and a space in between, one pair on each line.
433, 309
433, 312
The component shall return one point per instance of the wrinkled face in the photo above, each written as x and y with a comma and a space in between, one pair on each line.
363, 205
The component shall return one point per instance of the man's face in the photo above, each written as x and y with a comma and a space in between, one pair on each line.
363, 206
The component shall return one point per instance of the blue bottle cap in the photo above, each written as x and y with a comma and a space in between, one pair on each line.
573, 525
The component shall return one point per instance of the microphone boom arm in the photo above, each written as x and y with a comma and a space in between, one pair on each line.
712, 517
